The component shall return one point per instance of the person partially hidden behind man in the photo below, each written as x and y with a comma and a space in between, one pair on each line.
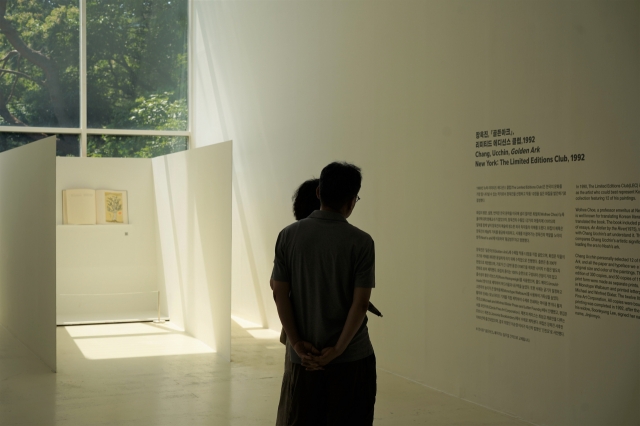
323, 273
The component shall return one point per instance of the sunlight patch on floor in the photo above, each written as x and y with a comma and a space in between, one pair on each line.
113, 341
245, 323
264, 333
255, 329
100, 330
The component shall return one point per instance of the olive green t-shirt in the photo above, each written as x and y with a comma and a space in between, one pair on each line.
324, 258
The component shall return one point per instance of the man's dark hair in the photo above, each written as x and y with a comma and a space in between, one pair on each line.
339, 183
305, 200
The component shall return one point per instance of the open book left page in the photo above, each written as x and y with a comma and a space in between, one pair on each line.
79, 207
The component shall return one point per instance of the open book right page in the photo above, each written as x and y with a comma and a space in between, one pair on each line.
111, 207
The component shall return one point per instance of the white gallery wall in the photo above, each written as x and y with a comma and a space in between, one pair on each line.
28, 246
193, 195
407, 90
108, 272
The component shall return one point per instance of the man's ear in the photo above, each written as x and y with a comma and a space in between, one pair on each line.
350, 207
318, 192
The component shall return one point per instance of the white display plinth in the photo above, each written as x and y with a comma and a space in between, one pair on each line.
105, 318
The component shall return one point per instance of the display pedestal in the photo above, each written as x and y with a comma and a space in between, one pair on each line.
110, 318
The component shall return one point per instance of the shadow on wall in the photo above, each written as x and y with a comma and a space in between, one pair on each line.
213, 122
243, 242
28, 239
193, 197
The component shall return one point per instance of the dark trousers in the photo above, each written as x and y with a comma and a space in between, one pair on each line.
341, 394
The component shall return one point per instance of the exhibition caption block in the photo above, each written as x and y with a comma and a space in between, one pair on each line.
522, 290
501, 147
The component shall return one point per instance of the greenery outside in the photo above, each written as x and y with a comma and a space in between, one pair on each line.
136, 72
134, 146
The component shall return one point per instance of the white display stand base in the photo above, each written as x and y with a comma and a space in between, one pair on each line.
102, 318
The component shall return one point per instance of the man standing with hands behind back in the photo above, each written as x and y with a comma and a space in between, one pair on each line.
323, 273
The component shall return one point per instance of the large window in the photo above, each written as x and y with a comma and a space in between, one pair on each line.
109, 78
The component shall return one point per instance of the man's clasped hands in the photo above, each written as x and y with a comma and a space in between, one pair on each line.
312, 358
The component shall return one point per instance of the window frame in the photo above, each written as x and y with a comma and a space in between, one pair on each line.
83, 131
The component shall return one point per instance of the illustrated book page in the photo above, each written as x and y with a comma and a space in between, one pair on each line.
79, 207
111, 207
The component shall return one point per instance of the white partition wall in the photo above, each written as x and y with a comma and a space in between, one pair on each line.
178, 241
407, 89
108, 272
193, 195
28, 246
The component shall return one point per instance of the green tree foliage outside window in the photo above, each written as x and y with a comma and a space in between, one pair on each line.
134, 146
136, 71
67, 145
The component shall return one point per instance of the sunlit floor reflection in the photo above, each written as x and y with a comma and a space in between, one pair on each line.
112, 341
245, 323
255, 329
120, 379
123, 329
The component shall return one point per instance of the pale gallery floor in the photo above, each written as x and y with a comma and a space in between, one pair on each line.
145, 374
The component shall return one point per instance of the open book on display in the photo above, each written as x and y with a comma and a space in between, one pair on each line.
91, 207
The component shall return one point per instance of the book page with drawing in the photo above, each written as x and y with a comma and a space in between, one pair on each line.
111, 207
